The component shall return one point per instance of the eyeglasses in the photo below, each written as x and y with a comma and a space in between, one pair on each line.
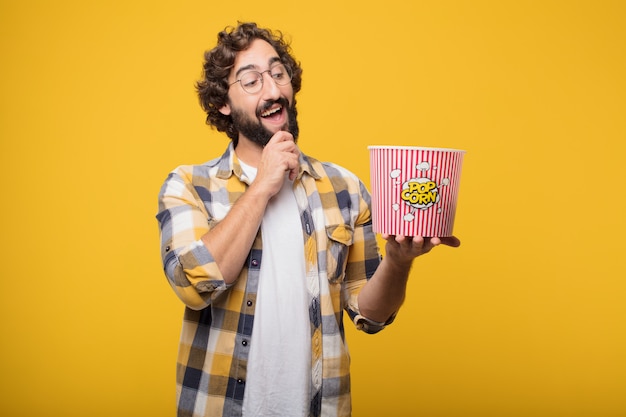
252, 81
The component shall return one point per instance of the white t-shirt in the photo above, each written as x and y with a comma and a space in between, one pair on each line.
279, 364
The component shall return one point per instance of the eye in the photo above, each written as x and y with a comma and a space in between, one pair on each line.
250, 79
279, 72
250, 83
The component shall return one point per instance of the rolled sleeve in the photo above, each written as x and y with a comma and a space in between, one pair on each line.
363, 261
189, 266
370, 326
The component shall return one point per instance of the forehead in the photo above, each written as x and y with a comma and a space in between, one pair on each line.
259, 55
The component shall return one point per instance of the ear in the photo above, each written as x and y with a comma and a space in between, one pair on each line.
225, 109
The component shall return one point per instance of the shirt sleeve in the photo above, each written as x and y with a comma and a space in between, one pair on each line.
189, 266
363, 260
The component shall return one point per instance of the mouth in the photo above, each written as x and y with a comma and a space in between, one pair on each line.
272, 112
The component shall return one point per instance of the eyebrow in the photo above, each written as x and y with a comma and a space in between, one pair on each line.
271, 61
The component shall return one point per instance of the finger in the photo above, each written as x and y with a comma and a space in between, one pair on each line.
286, 145
281, 136
408, 241
446, 240
293, 167
400, 239
452, 241
418, 240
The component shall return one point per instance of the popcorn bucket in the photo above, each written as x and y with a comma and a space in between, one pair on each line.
414, 189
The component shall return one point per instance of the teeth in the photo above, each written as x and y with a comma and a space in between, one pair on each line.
271, 111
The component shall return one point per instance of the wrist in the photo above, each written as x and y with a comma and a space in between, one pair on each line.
259, 192
398, 267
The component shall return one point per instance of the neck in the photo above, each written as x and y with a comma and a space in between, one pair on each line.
249, 152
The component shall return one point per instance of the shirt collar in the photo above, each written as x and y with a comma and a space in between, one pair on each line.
229, 165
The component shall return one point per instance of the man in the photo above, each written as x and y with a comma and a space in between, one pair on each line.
267, 248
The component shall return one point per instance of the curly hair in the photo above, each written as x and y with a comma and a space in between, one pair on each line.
218, 62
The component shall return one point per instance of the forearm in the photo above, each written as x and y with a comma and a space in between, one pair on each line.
384, 293
230, 241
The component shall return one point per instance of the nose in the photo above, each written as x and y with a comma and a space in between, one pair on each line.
270, 90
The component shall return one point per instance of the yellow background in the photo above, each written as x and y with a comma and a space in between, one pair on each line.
527, 318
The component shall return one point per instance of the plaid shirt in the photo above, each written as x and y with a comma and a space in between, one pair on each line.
339, 246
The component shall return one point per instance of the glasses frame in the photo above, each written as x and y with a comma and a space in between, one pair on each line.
262, 79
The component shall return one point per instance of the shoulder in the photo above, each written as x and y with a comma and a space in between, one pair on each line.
331, 170
343, 178
337, 170
345, 184
192, 173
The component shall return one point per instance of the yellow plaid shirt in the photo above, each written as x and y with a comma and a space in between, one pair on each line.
340, 247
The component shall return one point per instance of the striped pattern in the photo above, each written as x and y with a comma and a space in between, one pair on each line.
414, 189
341, 254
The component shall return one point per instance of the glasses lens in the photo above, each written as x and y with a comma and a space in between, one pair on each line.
280, 74
251, 81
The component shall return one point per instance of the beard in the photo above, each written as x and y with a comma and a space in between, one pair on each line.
253, 129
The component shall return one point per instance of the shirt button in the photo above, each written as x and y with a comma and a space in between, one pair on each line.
167, 249
249, 303
255, 262
240, 381
245, 343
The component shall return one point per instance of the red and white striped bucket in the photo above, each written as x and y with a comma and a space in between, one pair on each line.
414, 189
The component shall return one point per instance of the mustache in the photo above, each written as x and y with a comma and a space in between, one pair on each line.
283, 102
